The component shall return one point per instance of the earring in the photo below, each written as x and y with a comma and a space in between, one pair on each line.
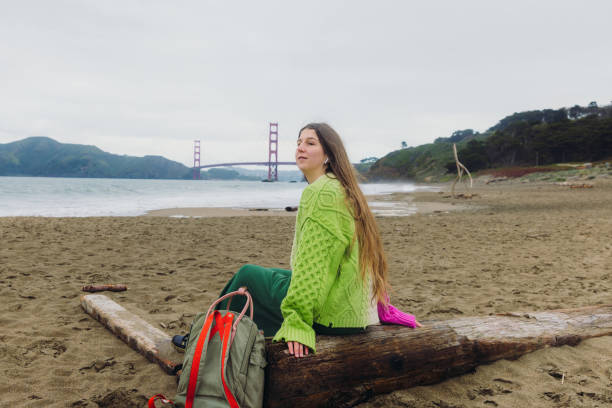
326, 161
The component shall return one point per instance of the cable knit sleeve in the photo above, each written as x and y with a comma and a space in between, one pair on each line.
310, 267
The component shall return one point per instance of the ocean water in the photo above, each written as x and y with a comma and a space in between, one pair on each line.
80, 197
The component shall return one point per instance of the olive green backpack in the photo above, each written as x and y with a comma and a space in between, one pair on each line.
224, 360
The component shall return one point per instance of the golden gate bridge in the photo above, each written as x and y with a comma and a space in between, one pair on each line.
272, 162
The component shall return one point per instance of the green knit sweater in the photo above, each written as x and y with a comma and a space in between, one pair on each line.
326, 285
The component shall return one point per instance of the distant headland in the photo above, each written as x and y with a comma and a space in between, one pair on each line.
530, 138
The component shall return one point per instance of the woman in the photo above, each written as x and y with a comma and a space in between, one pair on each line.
339, 270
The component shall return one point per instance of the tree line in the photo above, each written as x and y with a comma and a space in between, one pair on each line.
541, 137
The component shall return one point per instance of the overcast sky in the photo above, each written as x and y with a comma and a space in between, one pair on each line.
149, 77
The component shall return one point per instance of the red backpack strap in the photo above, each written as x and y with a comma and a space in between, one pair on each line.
160, 397
218, 327
195, 364
224, 326
226, 336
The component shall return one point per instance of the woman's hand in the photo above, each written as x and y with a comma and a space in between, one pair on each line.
297, 349
417, 324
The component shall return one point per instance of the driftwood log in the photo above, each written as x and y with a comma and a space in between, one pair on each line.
153, 343
347, 370
460, 169
101, 288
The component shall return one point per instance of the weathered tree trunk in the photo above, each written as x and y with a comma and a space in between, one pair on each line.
350, 369
347, 370
153, 343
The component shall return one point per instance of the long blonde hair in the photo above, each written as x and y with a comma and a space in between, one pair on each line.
371, 254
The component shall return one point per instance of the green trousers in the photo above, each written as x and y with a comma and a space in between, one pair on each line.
268, 287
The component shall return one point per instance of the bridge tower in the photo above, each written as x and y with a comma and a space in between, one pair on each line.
273, 151
196, 160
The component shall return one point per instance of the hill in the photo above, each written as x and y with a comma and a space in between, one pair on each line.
422, 162
262, 173
526, 138
43, 156
225, 174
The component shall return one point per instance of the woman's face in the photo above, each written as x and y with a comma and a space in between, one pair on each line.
309, 155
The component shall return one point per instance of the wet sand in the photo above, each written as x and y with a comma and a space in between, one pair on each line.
514, 247
384, 205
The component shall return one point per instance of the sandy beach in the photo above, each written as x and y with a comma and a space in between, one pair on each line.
511, 247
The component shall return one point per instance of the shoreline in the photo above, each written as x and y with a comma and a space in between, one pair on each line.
117, 198
382, 205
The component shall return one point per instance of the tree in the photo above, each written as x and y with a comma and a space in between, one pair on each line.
404, 145
369, 160
475, 156
459, 135
593, 109
575, 112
